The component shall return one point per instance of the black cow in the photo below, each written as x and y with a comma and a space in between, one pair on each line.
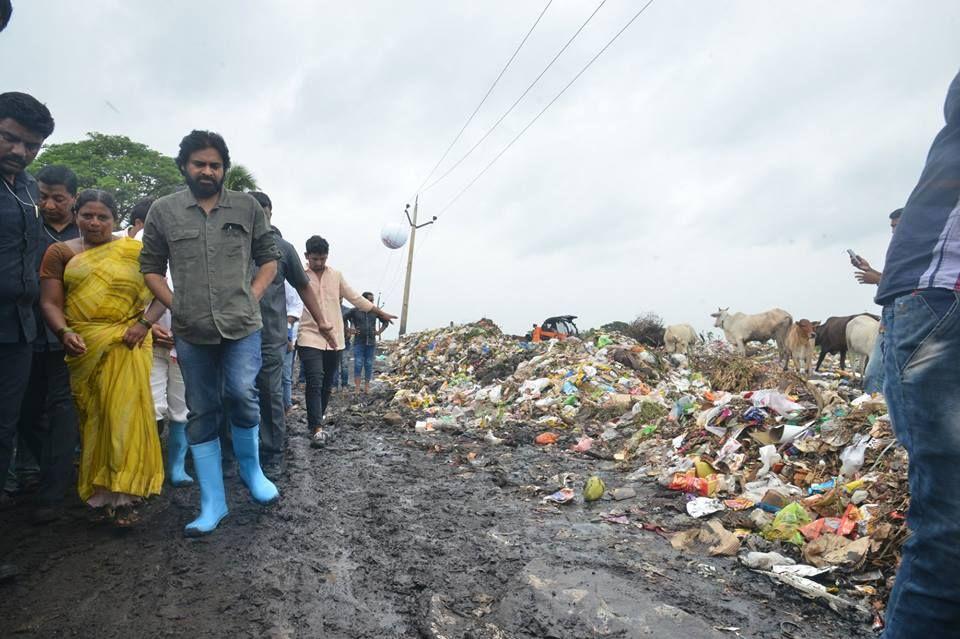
832, 337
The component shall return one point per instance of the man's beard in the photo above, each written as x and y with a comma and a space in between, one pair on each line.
16, 160
203, 188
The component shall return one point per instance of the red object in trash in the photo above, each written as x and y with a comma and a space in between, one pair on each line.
690, 483
546, 438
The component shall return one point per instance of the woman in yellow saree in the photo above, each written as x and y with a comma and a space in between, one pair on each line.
92, 296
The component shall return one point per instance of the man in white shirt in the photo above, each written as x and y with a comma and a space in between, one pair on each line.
294, 311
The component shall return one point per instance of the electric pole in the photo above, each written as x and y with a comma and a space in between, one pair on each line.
406, 284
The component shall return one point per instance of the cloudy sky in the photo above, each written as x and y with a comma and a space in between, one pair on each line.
718, 153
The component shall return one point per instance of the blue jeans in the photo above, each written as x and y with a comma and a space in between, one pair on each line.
220, 381
921, 352
288, 379
363, 355
874, 376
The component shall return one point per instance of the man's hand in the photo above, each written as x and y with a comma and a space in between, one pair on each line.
868, 276
290, 346
860, 263
327, 334
135, 335
263, 278
162, 336
385, 316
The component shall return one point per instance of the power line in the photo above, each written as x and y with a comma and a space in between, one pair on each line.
486, 95
537, 117
514, 105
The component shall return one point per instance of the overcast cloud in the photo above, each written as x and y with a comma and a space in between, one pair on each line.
719, 153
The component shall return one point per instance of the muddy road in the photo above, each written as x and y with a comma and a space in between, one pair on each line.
390, 533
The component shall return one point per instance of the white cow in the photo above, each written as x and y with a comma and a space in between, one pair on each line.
740, 328
862, 334
678, 337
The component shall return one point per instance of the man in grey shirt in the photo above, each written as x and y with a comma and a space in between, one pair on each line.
212, 237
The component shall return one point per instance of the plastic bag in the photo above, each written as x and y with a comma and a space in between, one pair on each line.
852, 455
533, 387
769, 456
682, 406
775, 400
787, 524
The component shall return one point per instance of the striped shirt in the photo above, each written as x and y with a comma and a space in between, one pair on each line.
925, 249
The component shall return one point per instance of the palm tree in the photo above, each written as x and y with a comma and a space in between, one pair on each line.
239, 178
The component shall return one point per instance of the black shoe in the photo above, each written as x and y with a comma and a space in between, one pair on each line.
45, 515
8, 572
272, 467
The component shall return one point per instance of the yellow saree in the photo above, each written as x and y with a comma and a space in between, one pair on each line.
104, 295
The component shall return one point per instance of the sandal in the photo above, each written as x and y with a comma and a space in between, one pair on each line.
103, 514
126, 516
319, 439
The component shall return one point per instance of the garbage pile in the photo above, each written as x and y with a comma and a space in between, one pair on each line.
802, 479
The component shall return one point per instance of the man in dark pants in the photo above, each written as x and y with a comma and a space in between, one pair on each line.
48, 419
920, 295
341, 377
273, 310
24, 124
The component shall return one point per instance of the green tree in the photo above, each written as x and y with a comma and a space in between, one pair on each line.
240, 178
129, 170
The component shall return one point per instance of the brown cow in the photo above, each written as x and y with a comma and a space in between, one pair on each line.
799, 345
832, 337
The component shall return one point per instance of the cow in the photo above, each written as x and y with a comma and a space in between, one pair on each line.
862, 334
740, 328
678, 337
832, 337
799, 345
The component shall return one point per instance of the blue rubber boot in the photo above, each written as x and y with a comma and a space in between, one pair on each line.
246, 446
177, 455
208, 464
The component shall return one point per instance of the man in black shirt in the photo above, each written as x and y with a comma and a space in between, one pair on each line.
273, 310
24, 124
367, 328
48, 419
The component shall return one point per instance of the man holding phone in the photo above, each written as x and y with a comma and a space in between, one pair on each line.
866, 274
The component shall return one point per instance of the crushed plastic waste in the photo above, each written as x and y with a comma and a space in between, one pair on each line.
562, 496
811, 466
702, 506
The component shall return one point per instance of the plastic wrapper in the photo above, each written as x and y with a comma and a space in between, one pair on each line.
787, 524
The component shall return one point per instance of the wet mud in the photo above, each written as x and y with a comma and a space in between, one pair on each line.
391, 533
